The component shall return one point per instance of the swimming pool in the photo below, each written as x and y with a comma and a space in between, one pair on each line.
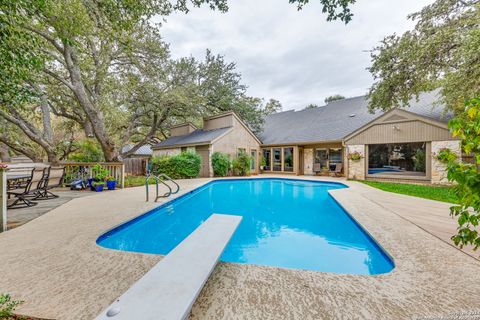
286, 223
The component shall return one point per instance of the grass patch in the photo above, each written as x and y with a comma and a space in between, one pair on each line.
136, 181
444, 194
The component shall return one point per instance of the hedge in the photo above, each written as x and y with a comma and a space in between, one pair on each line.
180, 166
241, 165
220, 164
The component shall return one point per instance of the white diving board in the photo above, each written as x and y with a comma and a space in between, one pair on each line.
169, 290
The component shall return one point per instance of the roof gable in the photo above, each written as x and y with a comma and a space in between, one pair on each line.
339, 119
197, 137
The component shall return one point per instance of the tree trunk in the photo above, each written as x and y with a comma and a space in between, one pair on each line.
92, 112
4, 153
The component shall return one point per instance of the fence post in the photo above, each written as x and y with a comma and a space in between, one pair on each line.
123, 175
3, 200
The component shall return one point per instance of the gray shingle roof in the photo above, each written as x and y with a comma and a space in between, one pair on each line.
196, 137
145, 150
335, 120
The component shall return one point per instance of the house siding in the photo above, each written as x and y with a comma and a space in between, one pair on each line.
238, 138
400, 132
224, 121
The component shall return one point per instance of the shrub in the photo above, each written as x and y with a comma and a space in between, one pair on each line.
88, 151
180, 166
241, 165
220, 164
7, 306
466, 176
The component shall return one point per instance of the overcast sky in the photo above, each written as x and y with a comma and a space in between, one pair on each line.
293, 56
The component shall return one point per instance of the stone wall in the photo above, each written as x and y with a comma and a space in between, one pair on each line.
308, 161
356, 169
439, 169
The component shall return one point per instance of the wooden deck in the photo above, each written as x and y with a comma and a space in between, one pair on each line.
18, 217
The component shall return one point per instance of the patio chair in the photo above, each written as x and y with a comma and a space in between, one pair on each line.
338, 169
22, 194
317, 167
53, 179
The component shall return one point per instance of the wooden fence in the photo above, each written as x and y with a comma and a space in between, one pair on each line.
85, 170
136, 166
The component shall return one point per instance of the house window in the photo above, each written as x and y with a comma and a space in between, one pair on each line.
288, 159
253, 160
267, 156
397, 159
334, 157
241, 151
277, 159
321, 159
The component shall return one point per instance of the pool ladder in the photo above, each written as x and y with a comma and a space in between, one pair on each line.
162, 178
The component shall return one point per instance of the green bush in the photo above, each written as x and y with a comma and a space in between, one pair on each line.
88, 151
7, 306
180, 166
241, 165
220, 164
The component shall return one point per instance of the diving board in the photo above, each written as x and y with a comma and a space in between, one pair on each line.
169, 289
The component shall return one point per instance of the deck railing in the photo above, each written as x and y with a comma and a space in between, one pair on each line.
3, 200
85, 170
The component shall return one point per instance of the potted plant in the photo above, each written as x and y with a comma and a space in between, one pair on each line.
101, 175
111, 182
98, 186
355, 156
263, 162
3, 166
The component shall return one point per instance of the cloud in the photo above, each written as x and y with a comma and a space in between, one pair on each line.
294, 56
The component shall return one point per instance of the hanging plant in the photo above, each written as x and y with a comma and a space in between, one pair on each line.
355, 156
3, 166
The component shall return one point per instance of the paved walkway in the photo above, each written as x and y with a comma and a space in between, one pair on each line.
54, 265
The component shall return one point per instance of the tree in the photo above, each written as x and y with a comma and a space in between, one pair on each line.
104, 66
466, 175
335, 97
440, 52
272, 106
311, 106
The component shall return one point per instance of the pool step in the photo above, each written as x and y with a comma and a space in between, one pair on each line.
170, 288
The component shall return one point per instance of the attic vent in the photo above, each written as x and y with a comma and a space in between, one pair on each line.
352, 115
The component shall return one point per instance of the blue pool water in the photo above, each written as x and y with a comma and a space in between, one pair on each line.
382, 170
286, 223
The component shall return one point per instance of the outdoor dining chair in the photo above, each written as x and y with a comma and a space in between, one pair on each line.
22, 193
53, 179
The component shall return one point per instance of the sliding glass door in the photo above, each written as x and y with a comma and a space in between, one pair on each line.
277, 159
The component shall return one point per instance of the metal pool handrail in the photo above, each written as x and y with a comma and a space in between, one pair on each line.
157, 180
163, 175
146, 185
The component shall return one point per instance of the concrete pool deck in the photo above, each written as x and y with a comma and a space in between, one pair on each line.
55, 266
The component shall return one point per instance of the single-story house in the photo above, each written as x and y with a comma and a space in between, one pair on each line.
225, 133
398, 145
